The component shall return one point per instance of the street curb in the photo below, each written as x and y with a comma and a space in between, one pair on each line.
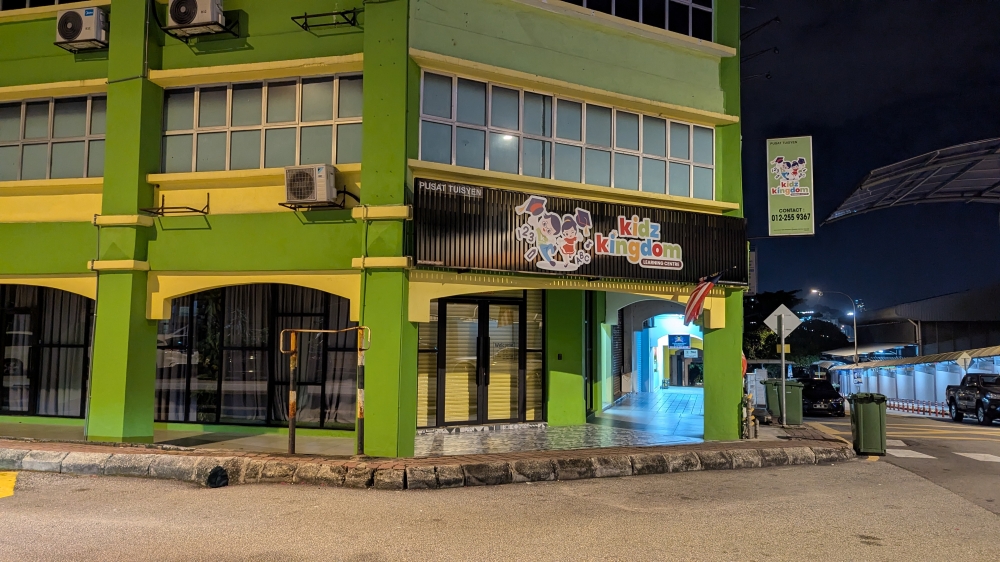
395, 474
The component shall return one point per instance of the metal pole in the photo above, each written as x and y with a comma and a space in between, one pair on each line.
292, 388
781, 340
855, 318
361, 393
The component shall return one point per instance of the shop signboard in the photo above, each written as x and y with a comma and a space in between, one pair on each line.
467, 227
679, 341
790, 187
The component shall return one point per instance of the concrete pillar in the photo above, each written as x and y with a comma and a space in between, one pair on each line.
723, 376
564, 350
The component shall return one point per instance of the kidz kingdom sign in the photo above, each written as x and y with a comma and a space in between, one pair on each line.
638, 241
473, 228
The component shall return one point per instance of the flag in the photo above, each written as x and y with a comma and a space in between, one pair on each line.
697, 299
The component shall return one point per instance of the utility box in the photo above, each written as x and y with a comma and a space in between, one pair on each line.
868, 423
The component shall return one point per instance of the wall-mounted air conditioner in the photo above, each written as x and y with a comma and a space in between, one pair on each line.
186, 18
310, 184
82, 29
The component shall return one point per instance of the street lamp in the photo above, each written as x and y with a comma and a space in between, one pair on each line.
853, 315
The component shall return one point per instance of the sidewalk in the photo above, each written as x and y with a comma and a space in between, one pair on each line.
801, 446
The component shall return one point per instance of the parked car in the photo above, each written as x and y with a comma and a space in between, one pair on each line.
978, 395
820, 397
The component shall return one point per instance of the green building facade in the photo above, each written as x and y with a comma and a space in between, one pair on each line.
148, 266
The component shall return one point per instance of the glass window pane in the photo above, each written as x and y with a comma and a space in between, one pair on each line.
678, 22
10, 122
680, 183
95, 159
36, 121
504, 108
98, 116
351, 97
437, 95
537, 114
503, 153
627, 130
9, 160
177, 153
69, 118
703, 183
568, 161
655, 13
316, 145
535, 158
211, 152
598, 167
705, 3
628, 9
703, 149
435, 142
471, 102
598, 125
349, 143
654, 176
212, 107
569, 115
679, 143
600, 5
67, 160
317, 99
701, 24
244, 150
281, 102
34, 161
178, 110
627, 171
279, 148
246, 104
470, 148
654, 136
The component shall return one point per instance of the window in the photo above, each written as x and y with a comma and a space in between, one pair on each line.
21, 4
218, 358
687, 17
263, 125
493, 127
47, 335
52, 139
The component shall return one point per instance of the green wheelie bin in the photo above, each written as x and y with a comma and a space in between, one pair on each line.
868, 423
793, 400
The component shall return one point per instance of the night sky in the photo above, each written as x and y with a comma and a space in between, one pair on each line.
873, 83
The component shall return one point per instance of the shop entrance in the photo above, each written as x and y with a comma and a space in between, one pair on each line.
488, 362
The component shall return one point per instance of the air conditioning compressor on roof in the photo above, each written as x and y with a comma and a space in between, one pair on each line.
186, 18
82, 29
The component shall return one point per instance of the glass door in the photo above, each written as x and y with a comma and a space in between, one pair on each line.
503, 368
483, 361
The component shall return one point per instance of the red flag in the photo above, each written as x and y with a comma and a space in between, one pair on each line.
697, 299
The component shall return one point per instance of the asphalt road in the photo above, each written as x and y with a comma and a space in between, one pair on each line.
961, 457
849, 511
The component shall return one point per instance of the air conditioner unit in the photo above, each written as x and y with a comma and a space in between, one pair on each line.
82, 29
195, 17
310, 184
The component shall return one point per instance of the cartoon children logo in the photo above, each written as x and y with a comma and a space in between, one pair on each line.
557, 243
789, 174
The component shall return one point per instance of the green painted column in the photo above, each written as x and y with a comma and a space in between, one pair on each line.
598, 373
723, 374
121, 406
564, 352
391, 369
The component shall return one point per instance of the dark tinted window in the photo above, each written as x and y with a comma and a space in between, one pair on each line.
991, 380
816, 390
628, 9
678, 21
701, 24
600, 5
654, 14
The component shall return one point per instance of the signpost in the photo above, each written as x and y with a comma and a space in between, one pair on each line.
964, 360
790, 187
782, 322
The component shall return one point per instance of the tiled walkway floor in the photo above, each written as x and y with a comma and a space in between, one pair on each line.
673, 416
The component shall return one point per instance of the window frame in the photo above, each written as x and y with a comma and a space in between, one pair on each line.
554, 139
297, 124
666, 14
49, 139
28, 6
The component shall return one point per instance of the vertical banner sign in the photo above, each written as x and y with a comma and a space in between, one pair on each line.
790, 187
